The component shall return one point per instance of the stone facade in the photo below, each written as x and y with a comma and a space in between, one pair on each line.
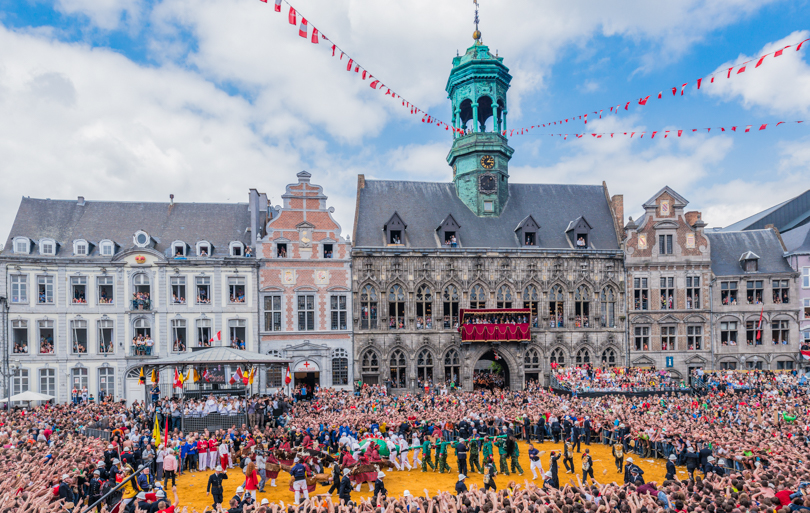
441, 282
668, 261
305, 289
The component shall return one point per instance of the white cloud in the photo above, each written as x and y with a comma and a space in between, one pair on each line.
105, 14
781, 85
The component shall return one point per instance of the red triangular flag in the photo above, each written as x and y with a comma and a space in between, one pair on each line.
680, 132
778, 53
653, 135
748, 128
683, 87
779, 123
799, 47
763, 126
315, 38
741, 70
628, 104
760, 61
373, 84
278, 6
643, 101
674, 91
699, 81
292, 17
349, 65
303, 29
334, 47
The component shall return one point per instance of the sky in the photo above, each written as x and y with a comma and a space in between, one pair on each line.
134, 100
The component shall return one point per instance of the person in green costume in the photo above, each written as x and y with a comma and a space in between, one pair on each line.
441, 457
503, 454
426, 446
486, 450
514, 454
475, 464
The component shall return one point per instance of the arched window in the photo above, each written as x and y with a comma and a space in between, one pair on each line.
450, 304
504, 297
556, 307
583, 357
142, 343
531, 299
478, 298
532, 360
396, 308
398, 371
141, 294
368, 308
424, 365
582, 307
558, 357
370, 363
607, 301
340, 367
424, 307
452, 366
609, 357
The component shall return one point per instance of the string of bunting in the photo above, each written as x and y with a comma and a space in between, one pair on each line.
317, 37
674, 132
740, 68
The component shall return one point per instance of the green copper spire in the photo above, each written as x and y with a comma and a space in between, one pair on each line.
480, 156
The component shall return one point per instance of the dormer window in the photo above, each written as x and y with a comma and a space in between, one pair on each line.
395, 230
106, 248
750, 262
47, 247
22, 245
281, 250
237, 249
203, 249
582, 240
141, 239
448, 232
527, 231
80, 248
579, 232
179, 249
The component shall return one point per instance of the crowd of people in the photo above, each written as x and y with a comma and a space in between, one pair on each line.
586, 378
142, 344
140, 301
741, 447
496, 318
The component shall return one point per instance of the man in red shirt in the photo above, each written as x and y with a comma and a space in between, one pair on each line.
783, 495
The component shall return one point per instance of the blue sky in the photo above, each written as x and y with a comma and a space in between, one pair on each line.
134, 100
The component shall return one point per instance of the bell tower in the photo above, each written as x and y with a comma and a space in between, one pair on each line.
480, 155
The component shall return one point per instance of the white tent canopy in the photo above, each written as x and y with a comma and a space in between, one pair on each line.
28, 396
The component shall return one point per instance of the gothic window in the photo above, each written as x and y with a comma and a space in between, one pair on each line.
370, 363
397, 366
450, 306
558, 357
504, 297
531, 299
609, 357
556, 307
368, 308
583, 357
582, 307
452, 366
396, 308
424, 307
608, 306
478, 298
532, 360
424, 365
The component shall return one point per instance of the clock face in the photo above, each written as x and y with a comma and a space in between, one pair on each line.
487, 161
487, 183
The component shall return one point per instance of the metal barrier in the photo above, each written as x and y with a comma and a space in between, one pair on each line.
98, 433
212, 422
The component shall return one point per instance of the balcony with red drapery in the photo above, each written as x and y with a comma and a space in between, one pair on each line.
496, 325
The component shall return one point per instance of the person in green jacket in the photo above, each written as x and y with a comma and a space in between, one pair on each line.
426, 445
486, 449
475, 464
514, 454
441, 457
500, 443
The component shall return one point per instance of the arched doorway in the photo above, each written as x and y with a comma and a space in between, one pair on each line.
491, 371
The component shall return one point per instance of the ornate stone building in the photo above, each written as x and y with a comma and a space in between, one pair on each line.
305, 287
668, 261
426, 252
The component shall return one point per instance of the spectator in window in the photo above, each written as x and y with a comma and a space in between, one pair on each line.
581, 242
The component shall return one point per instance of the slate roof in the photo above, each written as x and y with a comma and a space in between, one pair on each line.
66, 221
728, 247
786, 216
798, 239
423, 205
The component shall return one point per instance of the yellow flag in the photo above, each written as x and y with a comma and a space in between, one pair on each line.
191, 378
154, 376
156, 431
252, 375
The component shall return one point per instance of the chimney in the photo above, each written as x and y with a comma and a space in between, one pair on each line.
617, 202
692, 217
171, 199
778, 235
81, 201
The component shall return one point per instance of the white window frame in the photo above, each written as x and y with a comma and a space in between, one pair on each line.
234, 245
84, 378
806, 277
105, 245
236, 281
109, 374
101, 325
178, 244
20, 379
79, 324
141, 244
18, 249
20, 324
207, 245
489, 206
78, 281
175, 326
53, 289
337, 311
19, 282
306, 311
43, 243
47, 375
98, 289
273, 311
81, 248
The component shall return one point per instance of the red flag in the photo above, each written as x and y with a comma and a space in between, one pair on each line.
178, 382
780, 123
205, 374
245, 377
373, 85
712, 81
643, 101
742, 69
219, 335
778, 53
680, 132
674, 91
232, 381
699, 81
364, 74
303, 29
760, 61
763, 126
759, 325
653, 135
334, 47
799, 47
729, 72
265, 1
315, 38
628, 104
734, 129
666, 134
659, 94
683, 87
288, 377
278, 6
349, 66
748, 128
292, 17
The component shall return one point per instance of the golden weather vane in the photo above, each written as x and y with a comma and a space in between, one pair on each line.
477, 33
